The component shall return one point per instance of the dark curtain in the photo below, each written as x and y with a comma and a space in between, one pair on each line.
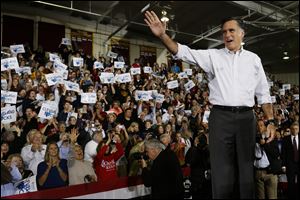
17, 31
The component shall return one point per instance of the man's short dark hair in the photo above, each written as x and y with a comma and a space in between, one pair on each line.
239, 21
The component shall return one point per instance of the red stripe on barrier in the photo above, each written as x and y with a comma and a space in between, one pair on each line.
82, 189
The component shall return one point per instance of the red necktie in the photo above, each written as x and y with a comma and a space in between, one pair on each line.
296, 152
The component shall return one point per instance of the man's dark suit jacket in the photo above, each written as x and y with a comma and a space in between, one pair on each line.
165, 176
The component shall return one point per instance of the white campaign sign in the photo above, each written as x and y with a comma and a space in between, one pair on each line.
135, 71
8, 114
273, 98
296, 96
281, 92
143, 95
26, 185
123, 78
3, 84
88, 97
54, 57
9, 63
159, 98
72, 86
172, 84
147, 70
112, 54
118, 65
66, 41
59, 66
286, 86
189, 72
23, 70
107, 77
206, 116
200, 77
98, 65
47, 111
17, 48
189, 85
77, 62
64, 74
9, 97
54, 78
270, 83
182, 75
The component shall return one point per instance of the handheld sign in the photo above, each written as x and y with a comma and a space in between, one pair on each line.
77, 62
89, 97
47, 111
98, 65
8, 114
172, 84
17, 48
66, 41
72, 86
189, 85
135, 71
123, 78
112, 55
54, 78
107, 77
9, 63
9, 97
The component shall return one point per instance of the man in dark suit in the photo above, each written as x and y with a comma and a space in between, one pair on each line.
165, 176
290, 156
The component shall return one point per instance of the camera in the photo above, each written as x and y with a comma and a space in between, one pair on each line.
87, 178
139, 156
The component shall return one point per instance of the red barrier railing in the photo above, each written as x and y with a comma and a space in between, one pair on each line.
86, 189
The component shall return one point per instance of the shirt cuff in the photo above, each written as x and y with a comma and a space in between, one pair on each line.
178, 55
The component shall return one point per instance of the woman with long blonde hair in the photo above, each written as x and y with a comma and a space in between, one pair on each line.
53, 171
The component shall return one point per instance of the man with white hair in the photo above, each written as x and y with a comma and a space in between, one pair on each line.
165, 176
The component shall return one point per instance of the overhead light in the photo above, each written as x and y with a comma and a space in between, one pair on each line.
164, 17
285, 56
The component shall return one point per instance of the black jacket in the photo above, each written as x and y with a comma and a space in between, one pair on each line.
165, 176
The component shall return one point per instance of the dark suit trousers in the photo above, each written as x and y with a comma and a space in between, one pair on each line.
231, 143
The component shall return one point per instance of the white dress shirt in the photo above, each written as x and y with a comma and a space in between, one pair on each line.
32, 159
90, 151
296, 138
234, 78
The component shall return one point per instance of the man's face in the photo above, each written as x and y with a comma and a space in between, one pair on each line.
151, 153
295, 130
232, 35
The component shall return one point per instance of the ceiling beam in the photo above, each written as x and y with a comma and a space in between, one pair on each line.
267, 12
275, 13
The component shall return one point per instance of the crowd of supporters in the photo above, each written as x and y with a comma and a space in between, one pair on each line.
102, 141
